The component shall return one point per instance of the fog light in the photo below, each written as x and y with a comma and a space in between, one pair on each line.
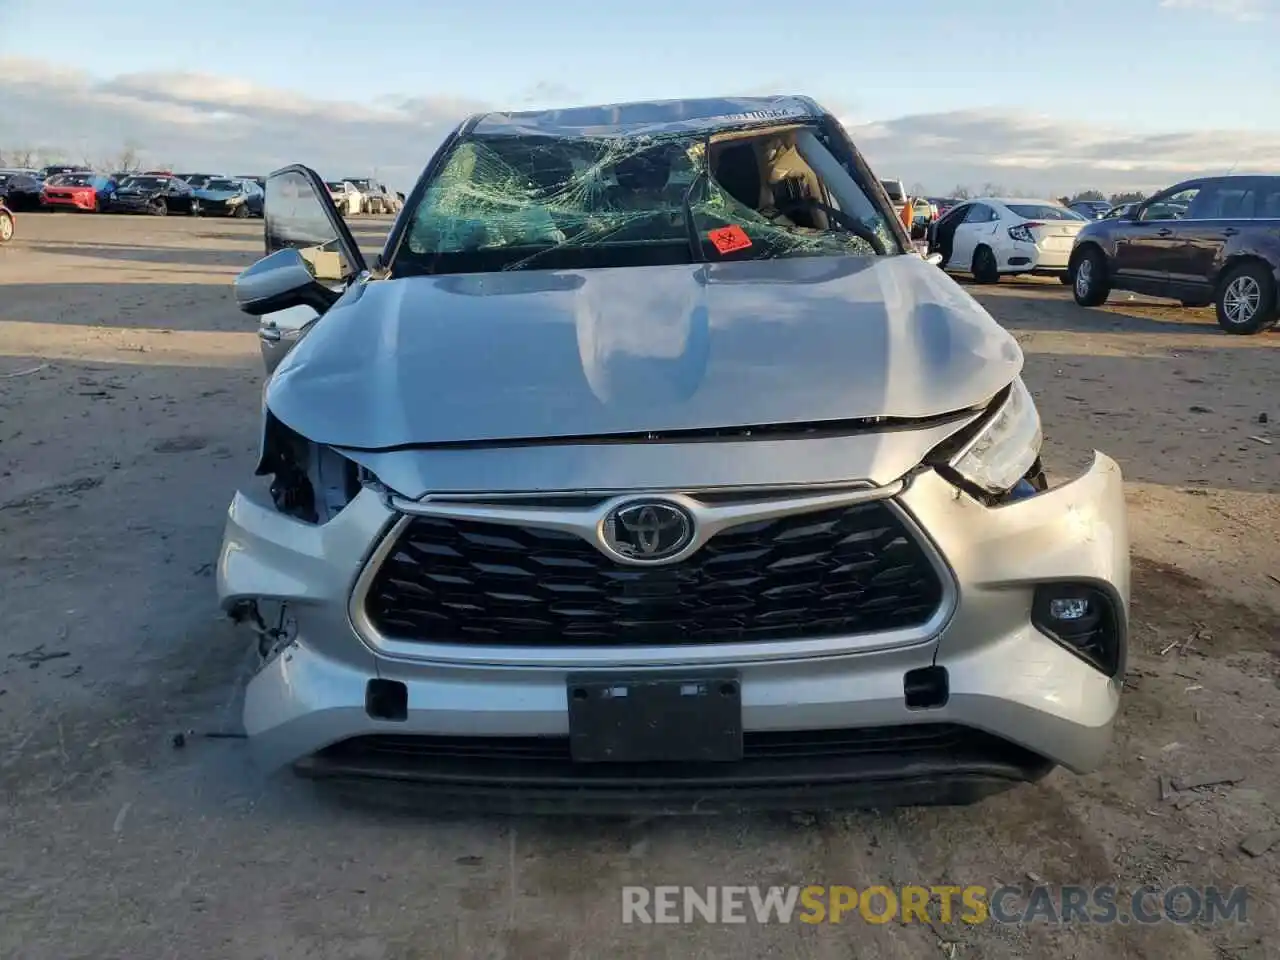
1068, 608
1083, 619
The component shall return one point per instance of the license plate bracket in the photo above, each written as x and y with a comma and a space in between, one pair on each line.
654, 719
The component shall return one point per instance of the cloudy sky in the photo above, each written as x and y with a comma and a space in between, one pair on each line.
1044, 95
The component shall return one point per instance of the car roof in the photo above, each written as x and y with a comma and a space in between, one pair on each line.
646, 117
1006, 201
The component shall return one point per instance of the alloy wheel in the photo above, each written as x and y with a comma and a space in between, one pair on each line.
1241, 299
1084, 277
6, 227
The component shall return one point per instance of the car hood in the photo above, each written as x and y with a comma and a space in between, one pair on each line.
216, 194
554, 354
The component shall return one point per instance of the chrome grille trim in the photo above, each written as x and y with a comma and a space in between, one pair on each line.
585, 523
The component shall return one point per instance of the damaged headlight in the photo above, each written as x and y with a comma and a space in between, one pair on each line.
310, 481
1006, 447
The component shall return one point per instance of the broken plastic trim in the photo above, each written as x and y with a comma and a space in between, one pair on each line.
311, 482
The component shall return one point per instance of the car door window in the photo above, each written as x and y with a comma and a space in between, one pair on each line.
979, 213
1171, 206
1267, 206
297, 217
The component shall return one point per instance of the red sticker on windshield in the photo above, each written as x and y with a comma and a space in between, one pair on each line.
729, 239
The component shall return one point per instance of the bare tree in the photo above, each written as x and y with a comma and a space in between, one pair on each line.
1089, 195
961, 192
917, 189
1135, 196
128, 160
22, 157
990, 189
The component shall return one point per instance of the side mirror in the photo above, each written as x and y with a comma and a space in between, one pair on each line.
935, 259
279, 281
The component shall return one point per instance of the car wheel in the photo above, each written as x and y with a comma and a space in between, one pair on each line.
985, 269
160, 209
241, 212
1089, 279
1247, 300
6, 227
195, 208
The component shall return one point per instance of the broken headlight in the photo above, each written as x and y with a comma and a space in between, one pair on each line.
310, 481
1006, 447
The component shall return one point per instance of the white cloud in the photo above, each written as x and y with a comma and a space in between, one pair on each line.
216, 123
1242, 10
1047, 155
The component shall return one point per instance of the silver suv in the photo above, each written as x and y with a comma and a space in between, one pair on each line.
648, 466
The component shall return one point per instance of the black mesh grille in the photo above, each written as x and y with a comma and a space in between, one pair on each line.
773, 744
847, 570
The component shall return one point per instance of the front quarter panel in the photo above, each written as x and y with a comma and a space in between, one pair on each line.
1099, 233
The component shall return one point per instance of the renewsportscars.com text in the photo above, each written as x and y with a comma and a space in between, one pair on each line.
973, 904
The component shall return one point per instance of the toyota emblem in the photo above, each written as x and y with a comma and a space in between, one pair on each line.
647, 531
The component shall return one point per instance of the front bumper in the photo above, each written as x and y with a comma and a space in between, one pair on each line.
217, 208
135, 204
79, 201
1022, 702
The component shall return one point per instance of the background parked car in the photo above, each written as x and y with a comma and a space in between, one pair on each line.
158, 195
897, 194
924, 211
346, 197
1211, 240
254, 178
1120, 210
197, 180
226, 197
374, 196
20, 189
941, 205
378, 199
90, 192
1090, 209
992, 236
8, 223
58, 169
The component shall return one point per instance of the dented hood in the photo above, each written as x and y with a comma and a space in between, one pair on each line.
545, 354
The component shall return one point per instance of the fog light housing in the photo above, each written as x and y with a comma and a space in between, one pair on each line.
1083, 619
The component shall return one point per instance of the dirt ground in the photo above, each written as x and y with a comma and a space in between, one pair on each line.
129, 393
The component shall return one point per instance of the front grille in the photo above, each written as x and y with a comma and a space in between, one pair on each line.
847, 570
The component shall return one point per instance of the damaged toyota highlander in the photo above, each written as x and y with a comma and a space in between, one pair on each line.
647, 466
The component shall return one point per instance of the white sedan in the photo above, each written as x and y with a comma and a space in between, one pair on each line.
991, 236
346, 197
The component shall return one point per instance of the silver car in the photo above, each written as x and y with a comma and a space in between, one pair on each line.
647, 466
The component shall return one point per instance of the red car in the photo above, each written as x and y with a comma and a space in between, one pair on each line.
6, 223
75, 191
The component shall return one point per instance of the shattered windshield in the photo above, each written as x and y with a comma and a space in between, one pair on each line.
224, 185
525, 202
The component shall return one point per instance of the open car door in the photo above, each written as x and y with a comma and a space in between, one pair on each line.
311, 260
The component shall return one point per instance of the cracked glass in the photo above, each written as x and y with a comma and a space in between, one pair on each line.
522, 202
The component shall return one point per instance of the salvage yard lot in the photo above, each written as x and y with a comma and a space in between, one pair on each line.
129, 398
